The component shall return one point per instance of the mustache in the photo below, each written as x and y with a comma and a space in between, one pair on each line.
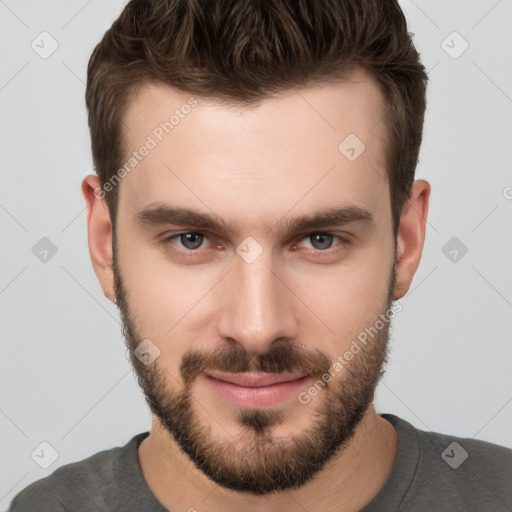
279, 358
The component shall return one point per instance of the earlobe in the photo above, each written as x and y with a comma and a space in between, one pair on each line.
411, 236
99, 233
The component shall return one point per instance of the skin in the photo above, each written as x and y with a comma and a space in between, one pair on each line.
254, 167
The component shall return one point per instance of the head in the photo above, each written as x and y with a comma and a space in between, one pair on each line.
255, 210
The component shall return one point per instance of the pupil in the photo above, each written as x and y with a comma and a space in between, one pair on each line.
189, 243
323, 239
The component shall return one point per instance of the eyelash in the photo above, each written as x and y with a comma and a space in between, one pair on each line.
315, 253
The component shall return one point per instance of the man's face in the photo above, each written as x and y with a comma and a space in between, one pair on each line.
262, 297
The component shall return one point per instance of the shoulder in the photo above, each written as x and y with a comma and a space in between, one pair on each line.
461, 473
466, 453
76, 485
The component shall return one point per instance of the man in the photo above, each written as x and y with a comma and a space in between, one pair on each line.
254, 217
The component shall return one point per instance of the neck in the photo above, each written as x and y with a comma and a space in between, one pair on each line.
347, 483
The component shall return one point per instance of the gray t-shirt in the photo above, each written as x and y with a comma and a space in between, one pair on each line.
432, 472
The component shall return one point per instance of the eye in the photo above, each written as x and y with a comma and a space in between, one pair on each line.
322, 242
190, 241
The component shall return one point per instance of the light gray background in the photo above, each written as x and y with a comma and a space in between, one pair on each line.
65, 378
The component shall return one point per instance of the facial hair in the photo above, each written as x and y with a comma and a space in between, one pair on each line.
254, 462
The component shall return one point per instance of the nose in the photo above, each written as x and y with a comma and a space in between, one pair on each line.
257, 307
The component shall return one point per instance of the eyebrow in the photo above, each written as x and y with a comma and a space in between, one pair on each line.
162, 215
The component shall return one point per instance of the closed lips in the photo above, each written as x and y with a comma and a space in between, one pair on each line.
254, 380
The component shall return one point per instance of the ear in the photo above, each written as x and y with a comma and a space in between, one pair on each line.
99, 232
411, 235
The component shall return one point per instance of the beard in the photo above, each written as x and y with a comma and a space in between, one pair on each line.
256, 462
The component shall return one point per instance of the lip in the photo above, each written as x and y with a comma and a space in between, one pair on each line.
254, 390
254, 380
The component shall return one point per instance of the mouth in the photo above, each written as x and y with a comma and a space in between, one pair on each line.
255, 390
254, 380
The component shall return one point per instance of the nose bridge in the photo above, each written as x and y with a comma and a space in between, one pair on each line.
257, 309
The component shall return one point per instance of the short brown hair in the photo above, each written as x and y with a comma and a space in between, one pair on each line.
242, 51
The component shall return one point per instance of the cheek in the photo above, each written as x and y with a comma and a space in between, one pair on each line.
159, 293
346, 298
163, 301
177, 307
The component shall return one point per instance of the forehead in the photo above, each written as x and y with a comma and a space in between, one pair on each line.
296, 150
